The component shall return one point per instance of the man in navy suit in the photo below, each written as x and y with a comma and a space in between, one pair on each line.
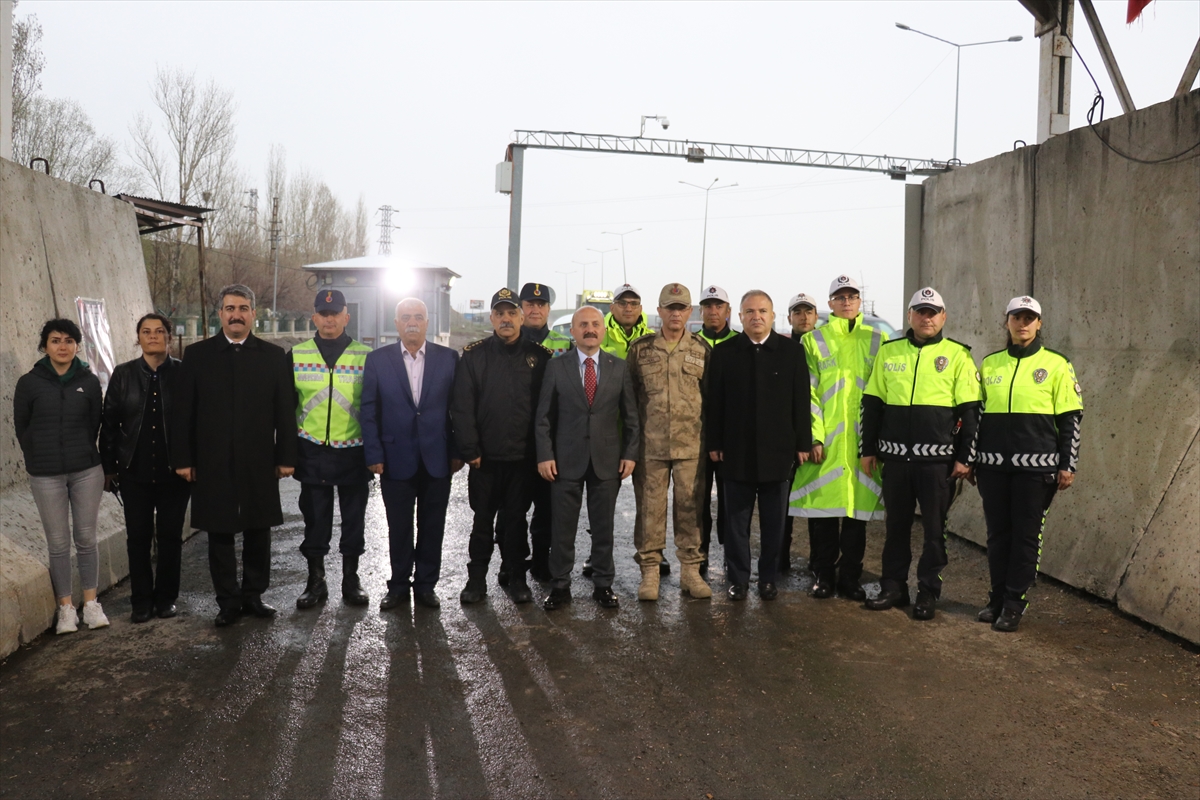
408, 442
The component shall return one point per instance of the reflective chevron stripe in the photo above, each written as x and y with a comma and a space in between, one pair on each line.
1035, 459
832, 390
822, 346
893, 448
991, 459
933, 450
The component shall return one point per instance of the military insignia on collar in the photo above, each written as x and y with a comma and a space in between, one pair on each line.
941, 363
1039, 375
531, 361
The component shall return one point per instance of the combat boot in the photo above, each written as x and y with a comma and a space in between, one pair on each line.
649, 587
315, 591
691, 582
352, 591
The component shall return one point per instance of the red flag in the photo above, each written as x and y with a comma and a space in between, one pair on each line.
1135, 9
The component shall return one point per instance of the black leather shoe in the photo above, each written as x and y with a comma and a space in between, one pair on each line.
557, 599
768, 591
664, 568
393, 599
254, 606
587, 568
852, 591
166, 611
737, 592
889, 598
1007, 621
926, 603
822, 589
604, 596
427, 599
140, 615
473, 592
315, 590
988, 614
227, 616
519, 591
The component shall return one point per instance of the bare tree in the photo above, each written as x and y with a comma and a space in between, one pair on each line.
27, 65
61, 132
361, 221
195, 164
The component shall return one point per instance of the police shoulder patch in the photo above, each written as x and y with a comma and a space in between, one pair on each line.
645, 337
473, 345
547, 349
963, 345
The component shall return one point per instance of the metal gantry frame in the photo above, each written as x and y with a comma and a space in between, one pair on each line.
509, 175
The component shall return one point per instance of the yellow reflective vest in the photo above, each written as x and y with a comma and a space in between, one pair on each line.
840, 358
616, 341
328, 400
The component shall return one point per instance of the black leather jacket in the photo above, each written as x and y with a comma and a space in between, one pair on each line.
124, 407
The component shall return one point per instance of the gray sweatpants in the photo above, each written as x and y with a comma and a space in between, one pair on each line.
77, 494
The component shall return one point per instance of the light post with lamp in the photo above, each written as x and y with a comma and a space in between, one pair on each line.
957, 67
704, 241
603, 285
624, 271
567, 273
583, 278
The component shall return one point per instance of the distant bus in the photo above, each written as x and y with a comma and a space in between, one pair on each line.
597, 298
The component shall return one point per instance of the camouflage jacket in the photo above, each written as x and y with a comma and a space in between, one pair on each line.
669, 385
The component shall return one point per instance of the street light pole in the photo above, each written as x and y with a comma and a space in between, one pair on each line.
583, 278
624, 271
567, 273
704, 240
603, 285
957, 67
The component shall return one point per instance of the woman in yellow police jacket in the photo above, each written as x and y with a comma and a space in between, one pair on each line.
1027, 450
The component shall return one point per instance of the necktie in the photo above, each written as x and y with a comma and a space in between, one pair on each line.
589, 379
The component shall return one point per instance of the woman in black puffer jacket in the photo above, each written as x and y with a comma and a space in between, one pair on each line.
133, 446
56, 410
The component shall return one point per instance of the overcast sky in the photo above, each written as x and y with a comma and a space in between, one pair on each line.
412, 105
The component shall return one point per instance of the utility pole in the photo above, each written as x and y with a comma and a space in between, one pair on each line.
253, 206
275, 251
603, 285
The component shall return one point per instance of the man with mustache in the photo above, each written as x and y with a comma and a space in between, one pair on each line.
587, 405
234, 437
328, 373
408, 442
495, 395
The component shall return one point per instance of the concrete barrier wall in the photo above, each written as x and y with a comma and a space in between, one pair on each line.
57, 242
1111, 248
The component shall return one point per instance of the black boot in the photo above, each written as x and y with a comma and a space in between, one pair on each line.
352, 591
315, 591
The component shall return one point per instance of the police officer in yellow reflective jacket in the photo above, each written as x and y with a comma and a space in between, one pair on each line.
714, 314
625, 322
328, 372
919, 416
1027, 450
830, 489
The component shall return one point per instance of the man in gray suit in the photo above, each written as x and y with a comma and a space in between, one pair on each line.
586, 430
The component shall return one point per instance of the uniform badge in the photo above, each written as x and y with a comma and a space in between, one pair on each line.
941, 363
1039, 375
504, 293
675, 289
1078, 390
978, 377
537, 290
329, 297
531, 361
843, 279
927, 293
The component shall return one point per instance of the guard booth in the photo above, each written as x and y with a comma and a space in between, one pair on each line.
374, 284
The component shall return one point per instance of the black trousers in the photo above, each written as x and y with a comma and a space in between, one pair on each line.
712, 474
831, 551
223, 565
772, 497
906, 483
567, 498
539, 525
421, 556
789, 526
154, 511
499, 490
316, 504
1015, 505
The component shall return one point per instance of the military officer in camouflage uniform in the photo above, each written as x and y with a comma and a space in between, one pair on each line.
668, 371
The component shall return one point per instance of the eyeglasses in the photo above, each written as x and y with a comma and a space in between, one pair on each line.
628, 303
843, 298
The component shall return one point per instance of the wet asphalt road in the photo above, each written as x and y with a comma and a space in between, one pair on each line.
680, 698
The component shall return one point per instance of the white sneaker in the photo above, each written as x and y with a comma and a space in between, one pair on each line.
93, 615
68, 620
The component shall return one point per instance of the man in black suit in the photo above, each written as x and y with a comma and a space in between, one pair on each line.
408, 443
234, 437
587, 395
758, 425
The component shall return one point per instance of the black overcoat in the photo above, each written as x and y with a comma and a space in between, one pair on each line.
757, 408
234, 421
